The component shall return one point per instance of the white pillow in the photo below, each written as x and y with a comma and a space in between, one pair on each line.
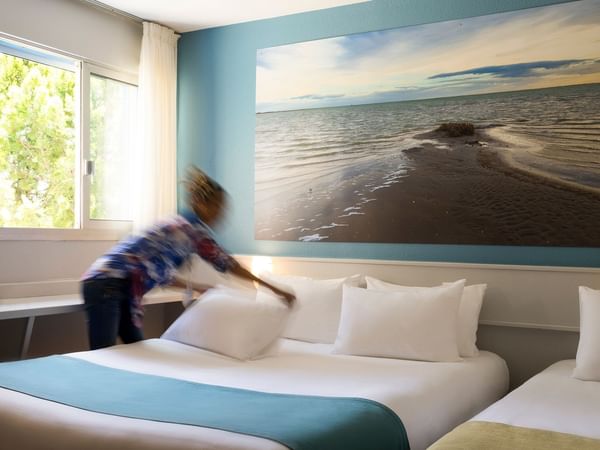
417, 325
230, 322
587, 364
468, 312
315, 315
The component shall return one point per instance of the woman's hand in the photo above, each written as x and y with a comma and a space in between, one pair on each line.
245, 274
288, 297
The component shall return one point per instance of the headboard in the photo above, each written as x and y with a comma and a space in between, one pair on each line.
517, 296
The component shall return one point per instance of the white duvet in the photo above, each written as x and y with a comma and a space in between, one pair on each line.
430, 398
552, 400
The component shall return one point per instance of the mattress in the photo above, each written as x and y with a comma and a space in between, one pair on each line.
552, 400
430, 398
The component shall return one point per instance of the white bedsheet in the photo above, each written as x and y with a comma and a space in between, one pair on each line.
430, 398
551, 400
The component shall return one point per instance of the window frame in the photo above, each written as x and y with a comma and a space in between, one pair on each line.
85, 228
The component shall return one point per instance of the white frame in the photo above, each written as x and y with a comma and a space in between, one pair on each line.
85, 228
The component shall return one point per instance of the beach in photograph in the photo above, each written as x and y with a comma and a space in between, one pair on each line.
520, 179
472, 193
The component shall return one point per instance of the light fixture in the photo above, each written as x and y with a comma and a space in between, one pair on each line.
261, 264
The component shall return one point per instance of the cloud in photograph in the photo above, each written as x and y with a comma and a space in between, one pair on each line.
316, 97
513, 70
555, 45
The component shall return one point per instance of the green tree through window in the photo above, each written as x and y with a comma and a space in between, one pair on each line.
37, 145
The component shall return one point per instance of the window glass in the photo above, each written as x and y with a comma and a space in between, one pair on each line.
112, 124
37, 144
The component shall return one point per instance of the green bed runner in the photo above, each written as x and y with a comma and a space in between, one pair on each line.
299, 422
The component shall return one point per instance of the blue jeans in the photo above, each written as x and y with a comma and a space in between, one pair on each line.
107, 307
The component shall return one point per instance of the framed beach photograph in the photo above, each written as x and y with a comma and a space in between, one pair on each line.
477, 131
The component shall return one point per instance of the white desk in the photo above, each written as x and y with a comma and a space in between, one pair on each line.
32, 307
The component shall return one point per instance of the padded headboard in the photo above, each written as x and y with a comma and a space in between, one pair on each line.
517, 296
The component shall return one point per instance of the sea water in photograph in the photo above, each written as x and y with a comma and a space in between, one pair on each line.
517, 163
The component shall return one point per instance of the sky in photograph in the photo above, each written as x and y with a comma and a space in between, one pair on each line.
534, 48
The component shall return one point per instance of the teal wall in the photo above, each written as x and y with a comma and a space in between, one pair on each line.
217, 72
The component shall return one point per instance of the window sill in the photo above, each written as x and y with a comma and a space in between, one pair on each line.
15, 308
57, 234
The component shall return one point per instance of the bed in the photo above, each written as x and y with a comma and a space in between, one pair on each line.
551, 410
558, 408
430, 398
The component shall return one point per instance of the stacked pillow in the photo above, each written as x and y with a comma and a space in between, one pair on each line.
587, 363
419, 324
468, 311
433, 324
384, 320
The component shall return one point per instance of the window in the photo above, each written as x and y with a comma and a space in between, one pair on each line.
66, 143
111, 138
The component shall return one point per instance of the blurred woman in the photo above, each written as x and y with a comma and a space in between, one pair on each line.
114, 285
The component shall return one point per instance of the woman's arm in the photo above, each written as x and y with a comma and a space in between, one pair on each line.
245, 274
211, 252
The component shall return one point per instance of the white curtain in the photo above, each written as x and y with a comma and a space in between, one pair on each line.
155, 163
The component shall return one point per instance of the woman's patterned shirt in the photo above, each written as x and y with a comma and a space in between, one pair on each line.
152, 258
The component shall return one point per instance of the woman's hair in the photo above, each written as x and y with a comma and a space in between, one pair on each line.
200, 187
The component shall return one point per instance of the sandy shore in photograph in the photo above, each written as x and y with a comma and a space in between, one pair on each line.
520, 152
475, 190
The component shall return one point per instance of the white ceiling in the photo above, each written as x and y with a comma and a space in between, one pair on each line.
190, 15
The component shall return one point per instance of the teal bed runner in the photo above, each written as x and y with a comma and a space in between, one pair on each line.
299, 422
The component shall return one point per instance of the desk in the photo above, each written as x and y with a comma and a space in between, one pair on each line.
32, 307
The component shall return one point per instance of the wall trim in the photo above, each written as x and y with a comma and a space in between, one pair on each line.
440, 264
531, 297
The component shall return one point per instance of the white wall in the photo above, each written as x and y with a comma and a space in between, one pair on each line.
75, 27
26, 261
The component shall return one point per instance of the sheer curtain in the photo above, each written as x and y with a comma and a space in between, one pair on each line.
155, 164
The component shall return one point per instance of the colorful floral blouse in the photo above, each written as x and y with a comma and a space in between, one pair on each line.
152, 258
